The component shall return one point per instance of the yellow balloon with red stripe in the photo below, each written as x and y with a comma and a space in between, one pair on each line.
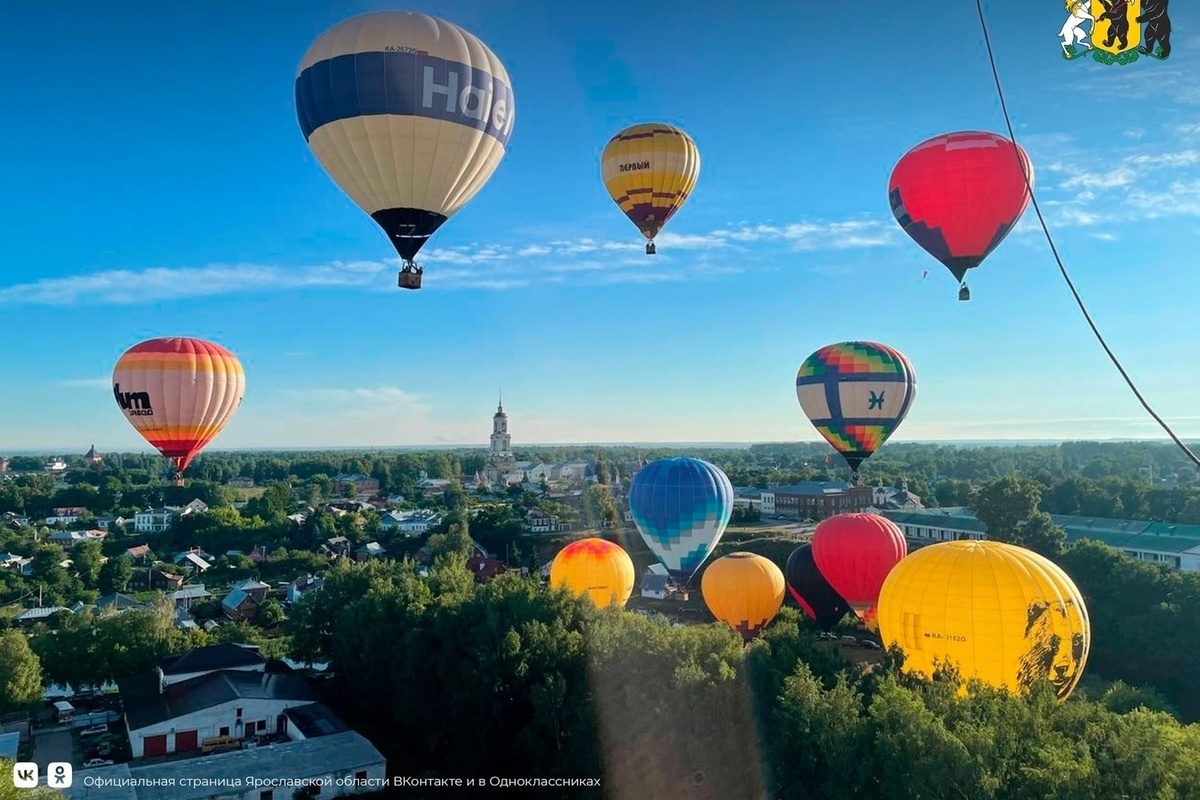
178, 393
650, 171
594, 567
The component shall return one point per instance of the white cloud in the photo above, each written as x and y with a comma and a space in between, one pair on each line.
1134, 133
129, 287
86, 383
492, 267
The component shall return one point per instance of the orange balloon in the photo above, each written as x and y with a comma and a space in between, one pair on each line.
743, 590
597, 568
178, 393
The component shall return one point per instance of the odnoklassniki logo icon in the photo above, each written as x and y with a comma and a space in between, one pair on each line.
1116, 31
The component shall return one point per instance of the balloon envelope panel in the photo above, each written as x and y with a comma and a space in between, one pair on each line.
594, 567
959, 195
681, 507
178, 393
1003, 614
649, 171
856, 394
855, 553
409, 114
811, 591
743, 590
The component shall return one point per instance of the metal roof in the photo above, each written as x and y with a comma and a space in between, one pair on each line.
145, 705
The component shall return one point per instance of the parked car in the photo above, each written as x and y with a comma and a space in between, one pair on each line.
97, 762
870, 644
95, 730
849, 640
829, 635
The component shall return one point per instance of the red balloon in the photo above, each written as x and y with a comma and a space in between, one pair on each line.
959, 194
855, 553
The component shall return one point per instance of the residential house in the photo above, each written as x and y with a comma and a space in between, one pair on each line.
107, 523
410, 523
433, 487
116, 603
165, 580
335, 547
361, 484
153, 520
67, 515
56, 465
142, 554
484, 569
424, 556
244, 599
657, 587
240, 483
369, 550
195, 560
69, 539
538, 521
13, 519
302, 586
187, 595
32, 616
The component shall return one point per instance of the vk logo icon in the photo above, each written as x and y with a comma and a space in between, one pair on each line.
25, 775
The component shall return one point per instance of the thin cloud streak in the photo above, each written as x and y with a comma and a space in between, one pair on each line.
494, 267
85, 383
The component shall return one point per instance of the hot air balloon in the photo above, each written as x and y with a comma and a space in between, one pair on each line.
681, 507
743, 590
649, 171
594, 567
1003, 614
178, 393
810, 589
855, 553
856, 394
410, 115
959, 194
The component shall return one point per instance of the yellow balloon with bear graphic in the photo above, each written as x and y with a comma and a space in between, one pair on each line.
1003, 614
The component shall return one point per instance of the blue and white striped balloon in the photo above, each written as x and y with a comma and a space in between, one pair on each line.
681, 507
409, 114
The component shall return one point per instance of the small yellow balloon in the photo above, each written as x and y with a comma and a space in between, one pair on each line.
1003, 614
650, 171
594, 567
745, 591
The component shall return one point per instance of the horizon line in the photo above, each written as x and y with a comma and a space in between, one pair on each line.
732, 445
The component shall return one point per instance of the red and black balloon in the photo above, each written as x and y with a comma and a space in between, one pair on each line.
811, 591
855, 553
959, 194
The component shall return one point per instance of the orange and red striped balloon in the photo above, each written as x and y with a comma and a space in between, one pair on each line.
597, 568
178, 393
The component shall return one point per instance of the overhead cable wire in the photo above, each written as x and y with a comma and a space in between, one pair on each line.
1054, 250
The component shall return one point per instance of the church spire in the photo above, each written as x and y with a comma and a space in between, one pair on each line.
500, 402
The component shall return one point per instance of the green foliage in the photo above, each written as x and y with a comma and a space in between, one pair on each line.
20, 673
517, 679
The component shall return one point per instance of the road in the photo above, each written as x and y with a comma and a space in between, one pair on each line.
52, 745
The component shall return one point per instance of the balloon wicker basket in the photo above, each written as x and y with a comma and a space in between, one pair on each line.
409, 279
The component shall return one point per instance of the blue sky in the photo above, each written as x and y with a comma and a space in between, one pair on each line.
156, 183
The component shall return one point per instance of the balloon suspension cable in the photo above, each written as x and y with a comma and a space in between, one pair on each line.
1054, 250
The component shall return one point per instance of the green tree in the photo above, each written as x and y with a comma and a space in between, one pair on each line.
20, 673
270, 614
115, 575
1041, 535
88, 562
1004, 504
